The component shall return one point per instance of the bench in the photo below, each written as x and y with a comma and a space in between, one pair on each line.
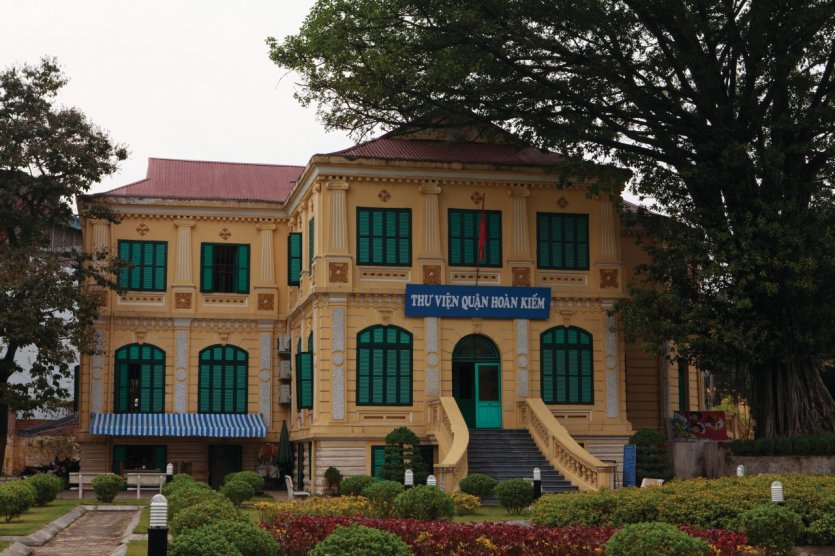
153, 480
82, 480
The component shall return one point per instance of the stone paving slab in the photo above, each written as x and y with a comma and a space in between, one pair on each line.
96, 533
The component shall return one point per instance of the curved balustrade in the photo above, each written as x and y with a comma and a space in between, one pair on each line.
449, 428
562, 451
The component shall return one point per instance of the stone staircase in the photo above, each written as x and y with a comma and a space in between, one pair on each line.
512, 454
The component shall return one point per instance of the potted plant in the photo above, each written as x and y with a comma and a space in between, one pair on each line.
333, 477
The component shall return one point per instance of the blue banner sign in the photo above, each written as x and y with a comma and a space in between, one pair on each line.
485, 302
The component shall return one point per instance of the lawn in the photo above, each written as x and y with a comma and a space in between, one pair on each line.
37, 517
137, 548
5, 544
491, 513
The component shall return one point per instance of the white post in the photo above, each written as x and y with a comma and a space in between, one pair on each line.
409, 479
431, 481
138, 485
777, 492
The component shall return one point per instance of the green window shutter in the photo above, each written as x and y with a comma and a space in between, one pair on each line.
160, 261
206, 265
378, 461
567, 371
120, 453
242, 269
363, 236
304, 380
310, 244
124, 273
384, 366
363, 376
160, 457
562, 241
294, 258
454, 237
404, 247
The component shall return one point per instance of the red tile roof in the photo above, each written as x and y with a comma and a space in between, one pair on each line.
193, 179
392, 148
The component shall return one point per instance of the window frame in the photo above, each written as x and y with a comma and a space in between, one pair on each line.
294, 262
476, 231
564, 348
127, 272
156, 362
371, 347
398, 237
240, 395
236, 271
563, 218
302, 383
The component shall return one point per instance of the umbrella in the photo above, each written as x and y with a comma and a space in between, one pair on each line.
285, 451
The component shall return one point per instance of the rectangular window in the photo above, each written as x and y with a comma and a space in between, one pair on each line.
310, 246
378, 461
562, 241
146, 268
304, 380
384, 237
464, 232
224, 268
294, 258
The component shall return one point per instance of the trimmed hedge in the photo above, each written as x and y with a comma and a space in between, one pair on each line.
478, 484
772, 526
424, 502
361, 541
246, 537
201, 542
380, 496
107, 486
821, 443
642, 539
15, 498
355, 484
238, 490
253, 478
514, 495
47, 486
205, 513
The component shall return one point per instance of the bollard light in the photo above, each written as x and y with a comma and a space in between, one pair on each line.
158, 526
431, 481
537, 474
159, 511
740, 470
777, 492
409, 478
169, 472
537, 483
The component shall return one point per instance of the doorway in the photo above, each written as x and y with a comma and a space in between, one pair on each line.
223, 459
476, 381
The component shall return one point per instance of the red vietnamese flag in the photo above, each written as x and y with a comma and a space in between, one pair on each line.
482, 232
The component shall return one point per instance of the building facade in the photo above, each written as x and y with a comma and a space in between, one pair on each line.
260, 295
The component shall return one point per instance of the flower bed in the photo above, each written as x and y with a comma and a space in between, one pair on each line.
350, 506
297, 534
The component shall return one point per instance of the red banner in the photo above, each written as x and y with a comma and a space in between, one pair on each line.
700, 424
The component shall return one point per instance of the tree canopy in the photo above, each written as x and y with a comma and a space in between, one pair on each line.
723, 109
48, 155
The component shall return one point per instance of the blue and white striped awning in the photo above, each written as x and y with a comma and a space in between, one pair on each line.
215, 425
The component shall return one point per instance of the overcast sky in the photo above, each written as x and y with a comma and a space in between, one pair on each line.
174, 79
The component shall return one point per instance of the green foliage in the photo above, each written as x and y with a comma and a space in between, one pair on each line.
107, 486
424, 502
253, 478
15, 498
402, 452
247, 538
478, 484
514, 495
205, 513
465, 504
238, 490
380, 496
201, 542
333, 477
361, 541
642, 539
47, 486
355, 484
772, 526
182, 481
821, 532
738, 153
653, 460
186, 497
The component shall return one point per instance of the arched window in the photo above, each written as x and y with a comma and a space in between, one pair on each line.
566, 371
384, 366
222, 382
140, 379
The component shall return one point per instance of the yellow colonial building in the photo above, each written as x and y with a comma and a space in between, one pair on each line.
407, 281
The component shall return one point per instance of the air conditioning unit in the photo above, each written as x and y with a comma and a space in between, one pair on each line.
284, 344
284, 393
285, 372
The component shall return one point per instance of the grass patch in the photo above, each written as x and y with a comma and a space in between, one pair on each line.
144, 518
5, 544
137, 548
248, 508
491, 513
37, 517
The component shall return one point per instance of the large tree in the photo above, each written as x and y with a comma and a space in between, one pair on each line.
48, 155
723, 109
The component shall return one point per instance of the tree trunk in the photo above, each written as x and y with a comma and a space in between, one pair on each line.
4, 431
792, 399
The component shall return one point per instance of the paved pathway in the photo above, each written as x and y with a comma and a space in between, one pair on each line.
96, 533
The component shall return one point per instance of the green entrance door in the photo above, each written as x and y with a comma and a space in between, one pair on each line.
488, 396
476, 381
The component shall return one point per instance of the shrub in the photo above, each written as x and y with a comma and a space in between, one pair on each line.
344, 506
200, 542
180, 482
333, 477
247, 538
782, 446
188, 497
380, 496
652, 458
107, 486
514, 495
478, 484
743, 447
424, 502
238, 490
402, 452
772, 526
641, 539
253, 478
763, 446
354, 485
465, 504
205, 513
15, 498
361, 541
821, 532
47, 486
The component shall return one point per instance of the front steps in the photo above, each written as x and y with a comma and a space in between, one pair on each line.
512, 454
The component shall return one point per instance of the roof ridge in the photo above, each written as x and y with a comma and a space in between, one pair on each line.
123, 186
352, 147
223, 162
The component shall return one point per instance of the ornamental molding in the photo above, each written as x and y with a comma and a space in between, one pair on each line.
489, 179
